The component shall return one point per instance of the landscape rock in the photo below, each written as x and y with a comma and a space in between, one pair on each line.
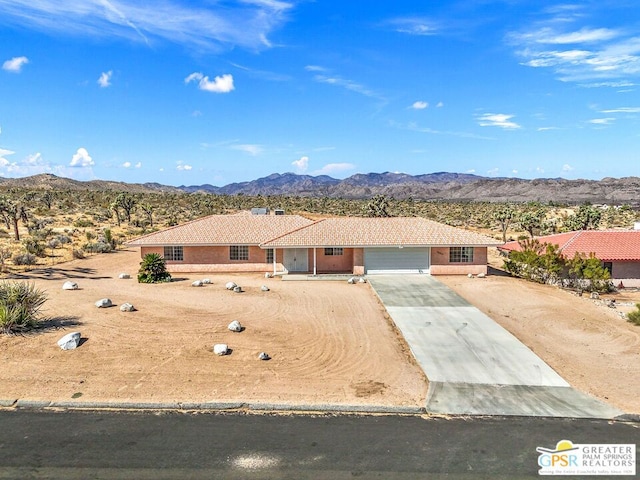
70, 341
206, 281
263, 356
197, 283
594, 296
352, 280
264, 288
362, 280
220, 349
237, 289
235, 326
230, 285
268, 275
470, 275
124, 276
127, 307
104, 303
70, 286
482, 275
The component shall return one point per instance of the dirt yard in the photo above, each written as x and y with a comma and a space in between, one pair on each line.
586, 342
330, 342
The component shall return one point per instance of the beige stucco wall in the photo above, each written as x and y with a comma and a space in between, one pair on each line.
333, 263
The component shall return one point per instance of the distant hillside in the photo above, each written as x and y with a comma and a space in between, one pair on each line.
432, 186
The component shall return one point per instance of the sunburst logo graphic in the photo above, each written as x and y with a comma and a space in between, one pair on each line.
561, 447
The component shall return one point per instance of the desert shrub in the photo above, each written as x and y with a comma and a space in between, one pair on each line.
592, 271
24, 259
83, 223
63, 239
634, 315
53, 243
97, 247
78, 253
20, 305
34, 246
153, 269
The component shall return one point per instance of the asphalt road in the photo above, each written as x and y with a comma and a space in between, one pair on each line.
125, 445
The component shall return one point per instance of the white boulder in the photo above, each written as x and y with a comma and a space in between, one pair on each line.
482, 275
268, 275
206, 281
70, 285
230, 285
197, 283
470, 275
104, 303
263, 356
124, 276
220, 349
127, 307
352, 280
235, 326
362, 280
264, 288
70, 341
237, 289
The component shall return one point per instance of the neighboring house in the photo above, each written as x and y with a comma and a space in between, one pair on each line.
292, 244
618, 250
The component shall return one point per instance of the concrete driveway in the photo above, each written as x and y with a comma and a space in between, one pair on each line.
475, 366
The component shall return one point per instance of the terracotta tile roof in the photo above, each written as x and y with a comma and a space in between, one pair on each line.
224, 230
363, 232
607, 245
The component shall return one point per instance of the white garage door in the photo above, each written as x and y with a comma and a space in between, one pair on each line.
397, 260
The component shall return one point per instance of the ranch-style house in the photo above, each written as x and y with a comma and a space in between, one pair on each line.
293, 244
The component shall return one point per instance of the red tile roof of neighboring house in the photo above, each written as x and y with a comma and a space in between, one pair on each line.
389, 231
606, 245
224, 230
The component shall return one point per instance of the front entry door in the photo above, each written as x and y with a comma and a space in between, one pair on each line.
296, 259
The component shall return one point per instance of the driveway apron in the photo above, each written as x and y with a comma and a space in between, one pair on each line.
475, 366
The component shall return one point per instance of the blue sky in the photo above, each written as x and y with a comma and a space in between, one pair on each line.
214, 91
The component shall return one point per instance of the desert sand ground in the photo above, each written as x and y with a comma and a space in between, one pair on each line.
589, 344
330, 342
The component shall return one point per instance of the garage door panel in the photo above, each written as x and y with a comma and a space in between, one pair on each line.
397, 260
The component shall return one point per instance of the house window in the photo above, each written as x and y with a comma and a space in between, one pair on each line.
332, 252
270, 255
175, 254
461, 255
239, 252
608, 266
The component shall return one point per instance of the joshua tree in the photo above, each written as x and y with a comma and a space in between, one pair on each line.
377, 207
13, 212
127, 202
505, 214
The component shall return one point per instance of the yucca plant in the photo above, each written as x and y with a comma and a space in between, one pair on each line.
153, 269
20, 305
634, 315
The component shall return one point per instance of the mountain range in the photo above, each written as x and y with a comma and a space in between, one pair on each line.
433, 186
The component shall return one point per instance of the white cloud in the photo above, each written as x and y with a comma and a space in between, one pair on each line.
183, 166
138, 165
419, 105
220, 84
472, 170
315, 68
514, 172
348, 84
333, 168
15, 64
493, 171
414, 26
302, 164
440, 105
81, 158
203, 25
501, 120
602, 121
126, 164
622, 110
578, 53
251, 149
105, 79
567, 168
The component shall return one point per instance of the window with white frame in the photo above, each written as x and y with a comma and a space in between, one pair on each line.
239, 252
270, 255
461, 255
333, 251
174, 253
